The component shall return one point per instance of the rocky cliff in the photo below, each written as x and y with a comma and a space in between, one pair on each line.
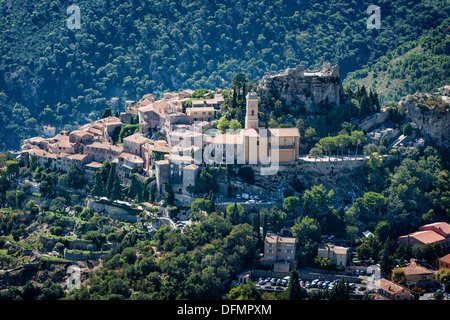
431, 115
299, 87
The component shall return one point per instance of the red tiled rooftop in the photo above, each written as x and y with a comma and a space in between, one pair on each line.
416, 269
442, 227
426, 236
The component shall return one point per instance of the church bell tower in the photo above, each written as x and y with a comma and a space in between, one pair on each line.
251, 114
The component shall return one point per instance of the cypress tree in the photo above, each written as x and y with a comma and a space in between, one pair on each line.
234, 215
97, 190
294, 289
113, 187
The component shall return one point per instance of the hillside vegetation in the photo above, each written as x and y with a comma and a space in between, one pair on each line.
420, 65
50, 74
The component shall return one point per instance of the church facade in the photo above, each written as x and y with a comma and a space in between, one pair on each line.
255, 145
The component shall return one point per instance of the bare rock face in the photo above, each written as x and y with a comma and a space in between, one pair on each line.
431, 115
299, 87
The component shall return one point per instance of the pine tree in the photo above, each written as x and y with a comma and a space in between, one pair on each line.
107, 113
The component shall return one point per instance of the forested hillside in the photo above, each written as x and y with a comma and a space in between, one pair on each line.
50, 74
419, 65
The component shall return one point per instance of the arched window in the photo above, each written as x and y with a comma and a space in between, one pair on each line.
253, 112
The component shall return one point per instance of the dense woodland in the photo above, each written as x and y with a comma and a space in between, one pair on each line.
51, 74
420, 65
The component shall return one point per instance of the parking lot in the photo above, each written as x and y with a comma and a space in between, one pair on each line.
279, 284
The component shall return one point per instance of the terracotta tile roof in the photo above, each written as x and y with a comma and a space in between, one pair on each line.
275, 238
81, 134
79, 157
105, 146
63, 155
335, 249
163, 149
199, 109
191, 167
136, 138
426, 236
131, 158
389, 286
442, 228
205, 102
416, 269
93, 165
41, 153
445, 259
147, 108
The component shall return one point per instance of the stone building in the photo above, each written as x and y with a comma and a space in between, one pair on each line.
134, 144
102, 151
336, 254
391, 290
279, 249
202, 113
419, 276
190, 173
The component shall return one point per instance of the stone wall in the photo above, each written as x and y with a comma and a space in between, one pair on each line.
344, 177
374, 120
80, 256
118, 212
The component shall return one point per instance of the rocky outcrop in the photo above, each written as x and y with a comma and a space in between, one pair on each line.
297, 87
431, 116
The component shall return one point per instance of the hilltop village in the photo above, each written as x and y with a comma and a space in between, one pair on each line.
156, 165
173, 138
191, 139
